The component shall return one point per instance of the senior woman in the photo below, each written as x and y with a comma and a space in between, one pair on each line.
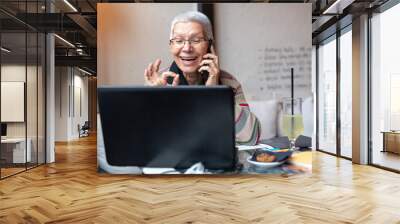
196, 63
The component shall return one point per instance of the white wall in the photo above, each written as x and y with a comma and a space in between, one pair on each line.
17, 73
61, 103
71, 92
33, 126
259, 46
81, 103
130, 36
259, 43
14, 73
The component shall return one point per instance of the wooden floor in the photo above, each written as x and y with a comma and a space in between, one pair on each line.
10, 171
71, 191
386, 159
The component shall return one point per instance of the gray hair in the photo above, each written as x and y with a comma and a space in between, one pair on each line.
194, 16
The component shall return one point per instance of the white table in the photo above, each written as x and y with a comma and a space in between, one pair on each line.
18, 145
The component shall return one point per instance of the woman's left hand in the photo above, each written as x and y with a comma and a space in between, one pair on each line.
210, 64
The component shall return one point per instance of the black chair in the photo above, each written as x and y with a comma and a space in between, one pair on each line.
84, 130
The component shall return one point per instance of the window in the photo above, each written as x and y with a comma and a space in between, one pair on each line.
346, 93
385, 88
22, 67
327, 96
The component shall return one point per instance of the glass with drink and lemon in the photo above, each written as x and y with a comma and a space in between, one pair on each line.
292, 119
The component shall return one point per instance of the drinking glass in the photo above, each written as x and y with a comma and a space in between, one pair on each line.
292, 119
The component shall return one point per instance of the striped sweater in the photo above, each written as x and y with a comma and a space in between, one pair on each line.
247, 126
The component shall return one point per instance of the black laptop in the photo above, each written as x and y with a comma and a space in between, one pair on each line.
168, 126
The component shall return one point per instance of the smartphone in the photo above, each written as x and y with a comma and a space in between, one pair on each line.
204, 74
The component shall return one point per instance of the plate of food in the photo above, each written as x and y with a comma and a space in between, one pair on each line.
264, 164
269, 159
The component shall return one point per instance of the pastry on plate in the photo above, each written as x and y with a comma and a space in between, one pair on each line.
265, 157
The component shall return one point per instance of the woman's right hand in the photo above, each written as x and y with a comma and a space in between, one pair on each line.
152, 77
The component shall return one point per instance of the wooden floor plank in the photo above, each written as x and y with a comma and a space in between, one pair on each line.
71, 191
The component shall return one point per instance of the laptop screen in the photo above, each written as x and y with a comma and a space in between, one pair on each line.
168, 126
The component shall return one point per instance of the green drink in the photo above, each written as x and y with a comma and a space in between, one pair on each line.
292, 125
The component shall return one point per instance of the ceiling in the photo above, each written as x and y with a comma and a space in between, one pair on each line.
76, 22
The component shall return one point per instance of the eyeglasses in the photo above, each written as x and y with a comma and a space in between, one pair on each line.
176, 42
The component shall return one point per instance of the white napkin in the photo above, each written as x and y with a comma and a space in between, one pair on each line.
251, 147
